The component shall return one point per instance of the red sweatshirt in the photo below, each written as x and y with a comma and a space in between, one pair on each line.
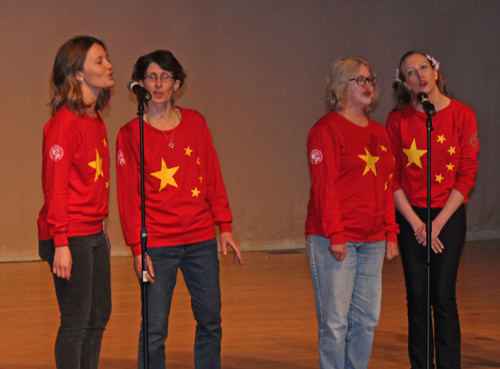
351, 170
185, 195
454, 148
75, 177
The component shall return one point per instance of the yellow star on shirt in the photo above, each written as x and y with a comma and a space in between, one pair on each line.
370, 162
198, 161
201, 179
383, 148
188, 151
97, 165
450, 167
441, 139
452, 150
105, 143
166, 176
195, 192
414, 154
107, 184
439, 178
385, 187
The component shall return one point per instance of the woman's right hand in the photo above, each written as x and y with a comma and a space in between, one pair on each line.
421, 235
62, 262
138, 268
338, 252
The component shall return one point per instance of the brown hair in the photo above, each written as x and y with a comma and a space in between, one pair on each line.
338, 78
65, 88
401, 94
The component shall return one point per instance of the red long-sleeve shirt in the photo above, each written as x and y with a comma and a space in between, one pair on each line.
75, 177
184, 191
351, 170
454, 148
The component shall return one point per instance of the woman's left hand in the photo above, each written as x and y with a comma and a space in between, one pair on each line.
391, 250
226, 238
421, 235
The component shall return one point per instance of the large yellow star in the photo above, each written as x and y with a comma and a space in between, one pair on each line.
450, 167
414, 154
195, 192
166, 176
451, 150
370, 162
441, 139
188, 151
97, 165
439, 178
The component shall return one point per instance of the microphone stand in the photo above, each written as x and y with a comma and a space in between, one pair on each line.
144, 247
429, 232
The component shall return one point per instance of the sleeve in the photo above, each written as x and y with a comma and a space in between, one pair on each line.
469, 148
323, 147
216, 196
393, 130
128, 183
391, 227
60, 144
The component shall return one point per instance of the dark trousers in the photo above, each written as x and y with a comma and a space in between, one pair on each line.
84, 301
199, 263
444, 269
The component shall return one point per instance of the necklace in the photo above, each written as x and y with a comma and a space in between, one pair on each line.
171, 143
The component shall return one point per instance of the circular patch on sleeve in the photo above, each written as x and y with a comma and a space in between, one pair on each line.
56, 152
120, 158
474, 140
315, 156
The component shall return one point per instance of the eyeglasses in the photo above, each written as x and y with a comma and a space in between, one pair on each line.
361, 81
153, 77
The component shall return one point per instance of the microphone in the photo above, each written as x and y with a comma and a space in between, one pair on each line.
426, 104
141, 93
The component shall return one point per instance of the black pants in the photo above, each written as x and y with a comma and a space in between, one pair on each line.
84, 301
444, 269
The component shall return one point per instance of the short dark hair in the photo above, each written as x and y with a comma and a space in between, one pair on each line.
65, 88
166, 61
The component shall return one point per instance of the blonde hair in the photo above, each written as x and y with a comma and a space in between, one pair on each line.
401, 94
341, 71
65, 88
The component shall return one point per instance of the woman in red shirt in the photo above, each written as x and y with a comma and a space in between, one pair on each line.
454, 146
350, 222
184, 198
75, 182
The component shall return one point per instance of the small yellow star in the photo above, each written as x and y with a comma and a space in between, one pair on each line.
188, 151
195, 192
370, 162
441, 139
107, 184
166, 176
385, 188
97, 165
105, 143
452, 150
390, 176
198, 161
439, 178
450, 167
414, 154
201, 179
383, 148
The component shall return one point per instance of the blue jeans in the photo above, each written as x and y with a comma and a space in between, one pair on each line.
348, 296
199, 263
84, 300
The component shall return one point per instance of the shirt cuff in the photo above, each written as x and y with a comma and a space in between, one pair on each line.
61, 239
225, 227
392, 237
337, 239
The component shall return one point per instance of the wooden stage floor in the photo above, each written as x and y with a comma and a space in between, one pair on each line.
268, 314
